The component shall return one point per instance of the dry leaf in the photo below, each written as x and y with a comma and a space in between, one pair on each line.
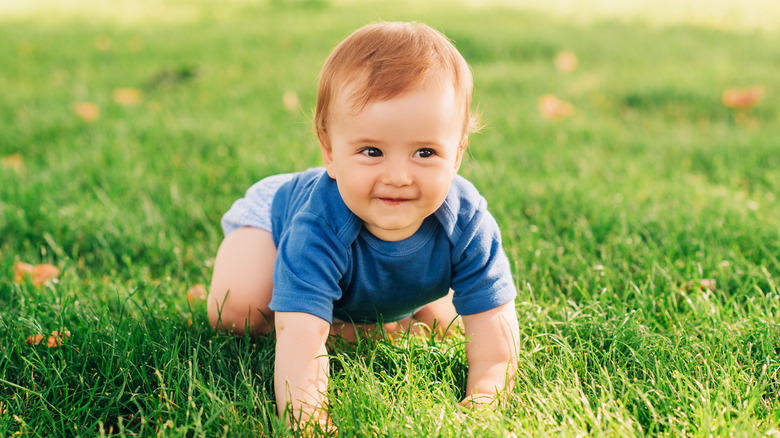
44, 273
196, 293
21, 270
13, 161
290, 100
553, 108
127, 96
703, 284
566, 61
34, 339
743, 97
39, 274
54, 340
87, 111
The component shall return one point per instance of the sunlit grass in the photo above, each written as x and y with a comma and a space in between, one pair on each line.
643, 228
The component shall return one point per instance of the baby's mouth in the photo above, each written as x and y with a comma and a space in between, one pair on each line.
393, 201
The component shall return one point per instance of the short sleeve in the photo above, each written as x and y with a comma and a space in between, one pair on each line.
310, 264
482, 278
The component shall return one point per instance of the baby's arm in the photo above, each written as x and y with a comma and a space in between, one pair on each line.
491, 352
301, 368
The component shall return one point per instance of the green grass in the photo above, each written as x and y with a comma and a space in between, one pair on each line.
611, 218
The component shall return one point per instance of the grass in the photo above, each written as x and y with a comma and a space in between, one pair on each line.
612, 219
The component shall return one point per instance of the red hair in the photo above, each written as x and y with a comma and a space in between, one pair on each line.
383, 60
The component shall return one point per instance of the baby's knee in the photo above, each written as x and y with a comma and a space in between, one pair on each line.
238, 316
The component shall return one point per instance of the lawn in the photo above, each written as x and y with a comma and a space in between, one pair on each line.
641, 216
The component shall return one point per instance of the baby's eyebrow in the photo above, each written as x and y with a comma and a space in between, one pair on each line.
362, 141
427, 144
365, 140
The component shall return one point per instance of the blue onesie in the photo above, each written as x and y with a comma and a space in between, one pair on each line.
329, 265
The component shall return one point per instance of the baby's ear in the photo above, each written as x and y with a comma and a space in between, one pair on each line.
461, 150
327, 152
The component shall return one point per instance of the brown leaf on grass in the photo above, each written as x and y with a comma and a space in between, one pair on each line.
128, 96
21, 270
39, 274
44, 273
742, 97
566, 61
87, 111
54, 340
703, 284
196, 293
13, 161
553, 108
34, 339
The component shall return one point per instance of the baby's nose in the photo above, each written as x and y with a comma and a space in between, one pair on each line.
397, 174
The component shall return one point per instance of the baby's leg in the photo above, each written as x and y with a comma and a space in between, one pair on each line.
439, 315
242, 283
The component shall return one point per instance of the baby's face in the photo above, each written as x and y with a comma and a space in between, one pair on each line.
394, 160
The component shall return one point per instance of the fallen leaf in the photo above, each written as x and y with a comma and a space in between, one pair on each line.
13, 161
553, 108
44, 273
65, 334
34, 339
566, 61
87, 111
21, 270
128, 96
743, 97
290, 100
53, 342
39, 274
56, 339
196, 293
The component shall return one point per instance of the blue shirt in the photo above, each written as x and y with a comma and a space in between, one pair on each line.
329, 265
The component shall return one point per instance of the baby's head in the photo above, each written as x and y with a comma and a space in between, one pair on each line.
382, 61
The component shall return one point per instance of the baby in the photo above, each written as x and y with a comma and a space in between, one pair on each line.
386, 233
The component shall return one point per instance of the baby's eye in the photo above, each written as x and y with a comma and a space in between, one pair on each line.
371, 152
425, 153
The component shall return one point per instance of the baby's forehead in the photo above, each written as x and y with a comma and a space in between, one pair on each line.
353, 95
